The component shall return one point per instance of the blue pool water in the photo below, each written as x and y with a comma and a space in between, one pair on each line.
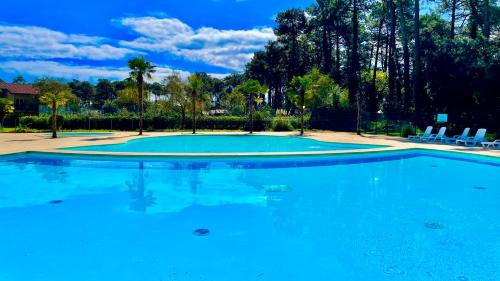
404, 216
222, 143
79, 134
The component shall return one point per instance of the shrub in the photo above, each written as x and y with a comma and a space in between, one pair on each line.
281, 124
35, 122
407, 130
128, 122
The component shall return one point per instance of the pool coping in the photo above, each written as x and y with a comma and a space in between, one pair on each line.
259, 156
385, 144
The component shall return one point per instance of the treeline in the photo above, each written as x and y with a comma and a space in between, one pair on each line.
392, 59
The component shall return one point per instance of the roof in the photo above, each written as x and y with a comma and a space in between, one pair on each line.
19, 89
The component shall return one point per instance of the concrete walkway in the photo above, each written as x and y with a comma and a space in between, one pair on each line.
22, 142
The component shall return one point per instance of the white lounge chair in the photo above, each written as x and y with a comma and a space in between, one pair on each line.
463, 136
476, 140
434, 137
491, 144
418, 137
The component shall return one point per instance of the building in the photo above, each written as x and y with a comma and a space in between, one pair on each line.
24, 96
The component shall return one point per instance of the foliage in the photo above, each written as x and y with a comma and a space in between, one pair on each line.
253, 91
6, 107
281, 123
140, 69
407, 130
130, 122
54, 94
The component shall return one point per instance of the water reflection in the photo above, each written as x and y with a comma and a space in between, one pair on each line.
140, 198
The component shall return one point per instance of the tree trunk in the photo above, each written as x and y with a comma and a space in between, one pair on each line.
337, 56
353, 58
54, 120
391, 100
193, 111
251, 114
406, 59
301, 110
183, 117
473, 19
416, 61
327, 52
386, 52
141, 103
453, 17
373, 95
486, 19
354, 66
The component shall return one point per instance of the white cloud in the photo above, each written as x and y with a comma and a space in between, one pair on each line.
43, 68
41, 43
231, 49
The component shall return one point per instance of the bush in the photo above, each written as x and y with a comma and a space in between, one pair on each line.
59, 121
281, 124
35, 122
407, 130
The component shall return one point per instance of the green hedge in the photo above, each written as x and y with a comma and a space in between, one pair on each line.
130, 123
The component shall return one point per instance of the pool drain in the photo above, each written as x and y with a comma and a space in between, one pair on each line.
433, 225
201, 232
479, 187
55, 201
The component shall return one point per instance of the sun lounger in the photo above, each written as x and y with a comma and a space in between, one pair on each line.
418, 137
434, 137
491, 144
463, 136
476, 140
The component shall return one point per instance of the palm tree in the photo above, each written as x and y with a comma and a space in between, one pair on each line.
297, 95
305, 90
195, 85
252, 90
54, 94
140, 68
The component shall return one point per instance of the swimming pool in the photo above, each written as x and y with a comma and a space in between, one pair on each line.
414, 215
222, 144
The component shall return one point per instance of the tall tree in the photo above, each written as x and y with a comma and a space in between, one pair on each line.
407, 101
353, 77
416, 59
292, 24
140, 69
83, 90
373, 96
176, 90
104, 90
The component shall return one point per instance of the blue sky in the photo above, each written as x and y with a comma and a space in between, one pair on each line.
94, 39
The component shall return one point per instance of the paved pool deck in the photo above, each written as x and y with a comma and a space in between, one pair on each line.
37, 142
